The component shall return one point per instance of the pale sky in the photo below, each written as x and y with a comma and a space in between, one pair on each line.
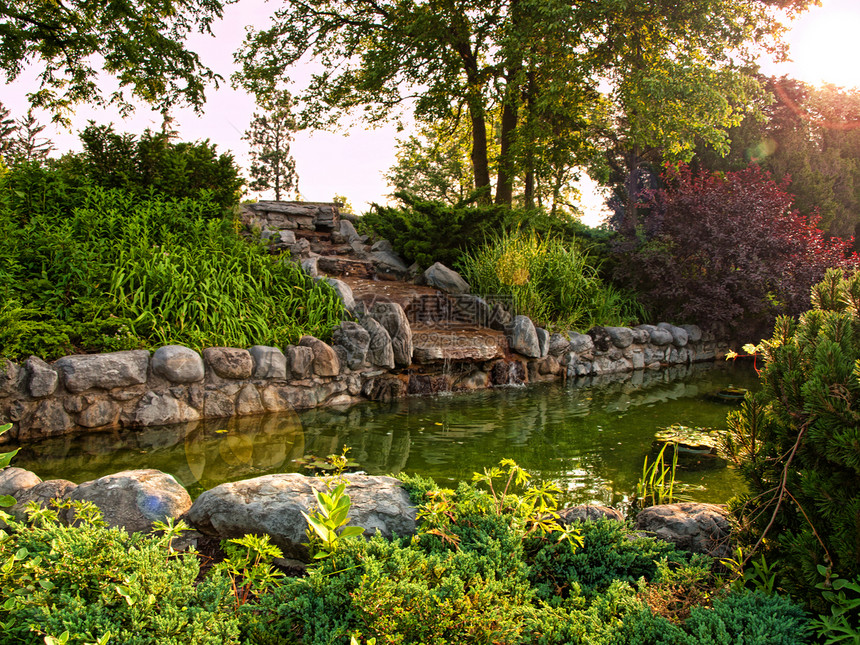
351, 163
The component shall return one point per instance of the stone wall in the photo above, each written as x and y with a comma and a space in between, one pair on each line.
373, 358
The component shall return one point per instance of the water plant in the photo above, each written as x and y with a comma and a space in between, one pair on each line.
657, 484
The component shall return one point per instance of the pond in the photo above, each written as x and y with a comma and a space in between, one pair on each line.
590, 437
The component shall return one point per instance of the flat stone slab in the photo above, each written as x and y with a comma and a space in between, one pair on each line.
433, 346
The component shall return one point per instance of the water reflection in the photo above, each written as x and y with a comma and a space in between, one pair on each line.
589, 436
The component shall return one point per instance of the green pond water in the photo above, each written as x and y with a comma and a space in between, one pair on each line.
589, 436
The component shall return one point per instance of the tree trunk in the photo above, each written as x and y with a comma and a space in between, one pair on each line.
480, 165
505, 182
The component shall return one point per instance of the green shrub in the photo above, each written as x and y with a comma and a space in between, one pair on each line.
120, 270
90, 581
797, 442
556, 283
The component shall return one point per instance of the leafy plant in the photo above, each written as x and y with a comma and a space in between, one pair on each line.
657, 484
551, 280
247, 563
841, 626
5, 459
327, 526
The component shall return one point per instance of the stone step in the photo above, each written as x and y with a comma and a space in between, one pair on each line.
339, 265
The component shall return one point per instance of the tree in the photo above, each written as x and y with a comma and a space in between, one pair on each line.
797, 443
727, 252
540, 61
141, 44
28, 146
7, 134
269, 135
811, 135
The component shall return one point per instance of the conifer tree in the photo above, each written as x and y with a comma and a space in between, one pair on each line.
270, 133
7, 134
28, 145
797, 442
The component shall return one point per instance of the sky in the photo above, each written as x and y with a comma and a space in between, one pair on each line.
352, 162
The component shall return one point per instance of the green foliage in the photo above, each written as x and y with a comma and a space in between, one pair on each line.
327, 526
88, 581
152, 162
841, 626
657, 484
247, 564
98, 269
797, 442
555, 283
428, 232
139, 42
5, 459
269, 135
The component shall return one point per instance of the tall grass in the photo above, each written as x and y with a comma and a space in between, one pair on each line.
155, 271
555, 283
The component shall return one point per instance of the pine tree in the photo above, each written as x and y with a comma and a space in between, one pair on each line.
7, 134
269, 134
797, 442
28, 145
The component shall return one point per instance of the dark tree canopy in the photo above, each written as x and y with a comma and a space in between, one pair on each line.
139, 42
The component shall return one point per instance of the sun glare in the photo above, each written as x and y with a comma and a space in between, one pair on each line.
824, 44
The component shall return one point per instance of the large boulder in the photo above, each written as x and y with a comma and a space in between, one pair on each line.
621, 337
230, 362
445, 279
269, 362
580, 343
524, 338
380, 351
325, 362
694, 527
392, 317
178, 364
389, 265
680, 337
10, 377
343, 290
16, 480
156, 409
355, 340
42, 494
104, 371
43, 378
273, 505
133, 499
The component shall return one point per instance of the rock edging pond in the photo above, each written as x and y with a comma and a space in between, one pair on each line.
375, 358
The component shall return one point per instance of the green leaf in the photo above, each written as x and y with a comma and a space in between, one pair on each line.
6, 501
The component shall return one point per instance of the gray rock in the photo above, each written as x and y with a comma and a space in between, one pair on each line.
10, 377
621, 336
347, 230
379, 351
162, 409
641, 335
698, 528
14, 481
343, 291
694, 333
104, 371
272, 505
679, 335
359, 248
134, 499
325, 362
389, 264
287, 237
311, 267
217, 405
248, 401
500, 318
43, 378
382, 245
355, 339
48, 419
384, 389
300, 360
445, 279
543, 341
637, 359
230, 362
392, 317
279, 398
558, 344
178, 364
523, 337
474, 310
100, 413
269, 362
661, 337
580, 343
589, 513
42, 493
